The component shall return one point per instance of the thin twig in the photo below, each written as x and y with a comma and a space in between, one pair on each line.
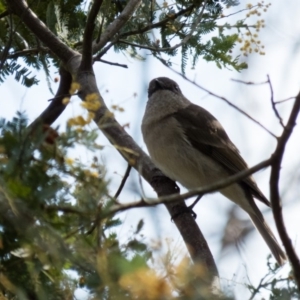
123, 182
155, 49
117, 24
28, 52
284, 100
266, 284
274, 190
112, 63
168, 18
199, 191
273, 103
63, 95
249, 82
104, 50
64, 209
227, 101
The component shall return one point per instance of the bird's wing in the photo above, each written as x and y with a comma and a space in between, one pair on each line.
208, 136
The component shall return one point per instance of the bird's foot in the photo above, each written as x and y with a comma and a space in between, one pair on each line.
188, 209
185, 210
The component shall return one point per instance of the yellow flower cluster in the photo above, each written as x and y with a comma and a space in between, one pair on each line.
66, 101
79, 121
146, 284
92, 102
3, 156
117, 108
89, 173
250, 41
69, 161
75, 86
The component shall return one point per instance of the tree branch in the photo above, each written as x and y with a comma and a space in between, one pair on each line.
117, 24
111, 63
274, 190
28, 52
104, 50
168, 18
87, 60
56, 107
199, 191
227, 101
123, 182
273, 102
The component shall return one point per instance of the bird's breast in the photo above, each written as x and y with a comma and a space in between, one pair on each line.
171, 152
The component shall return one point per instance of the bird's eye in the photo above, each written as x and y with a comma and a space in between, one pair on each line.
176, 88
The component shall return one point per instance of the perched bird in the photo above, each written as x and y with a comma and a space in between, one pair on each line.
190, 146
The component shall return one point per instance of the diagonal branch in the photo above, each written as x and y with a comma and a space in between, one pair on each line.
199, 191
227, 101
87, 60
56, 107
161, 23
126, 175
274, 190
28, 52
112, 63
117, 24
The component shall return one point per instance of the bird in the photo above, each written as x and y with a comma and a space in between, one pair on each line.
190, 146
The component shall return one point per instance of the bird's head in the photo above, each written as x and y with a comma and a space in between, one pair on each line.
163, 83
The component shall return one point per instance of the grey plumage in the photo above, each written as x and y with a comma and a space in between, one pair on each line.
190, 146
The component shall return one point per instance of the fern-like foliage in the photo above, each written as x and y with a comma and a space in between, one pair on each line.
155, 25
21, 73
175, 28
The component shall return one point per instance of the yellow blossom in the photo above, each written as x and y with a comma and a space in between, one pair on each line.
94, 174
91, 117
69, 161
145, 284
75, 86
77, 121
66, 100
89, 173
92, 102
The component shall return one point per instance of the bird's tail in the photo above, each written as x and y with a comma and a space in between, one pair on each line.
268, 236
